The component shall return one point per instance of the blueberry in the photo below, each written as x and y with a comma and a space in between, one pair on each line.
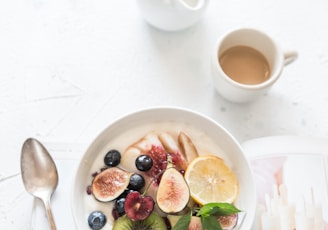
144, 162
97, 220
125, 193
137, 182
119, 206
112, 158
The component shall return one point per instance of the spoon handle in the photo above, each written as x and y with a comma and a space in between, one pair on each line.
49, 213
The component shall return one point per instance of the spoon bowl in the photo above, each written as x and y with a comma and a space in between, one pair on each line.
39, 174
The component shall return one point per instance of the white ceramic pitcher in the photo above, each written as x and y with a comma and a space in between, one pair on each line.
172, 15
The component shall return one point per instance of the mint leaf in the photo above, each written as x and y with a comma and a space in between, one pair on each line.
183, 223
210, 223
217, 209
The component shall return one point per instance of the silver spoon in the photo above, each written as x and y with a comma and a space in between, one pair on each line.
39, 174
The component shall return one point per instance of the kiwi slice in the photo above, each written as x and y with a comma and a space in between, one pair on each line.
152, 222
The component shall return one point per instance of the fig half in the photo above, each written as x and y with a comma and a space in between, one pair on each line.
110, 183
228, 222
173, 192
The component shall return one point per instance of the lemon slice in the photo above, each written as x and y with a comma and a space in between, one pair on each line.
211, 180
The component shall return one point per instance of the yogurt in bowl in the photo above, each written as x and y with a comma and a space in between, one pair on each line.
208, 137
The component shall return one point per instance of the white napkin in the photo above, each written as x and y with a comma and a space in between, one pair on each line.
60, 202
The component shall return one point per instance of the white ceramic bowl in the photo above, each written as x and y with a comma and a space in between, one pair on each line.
126, 130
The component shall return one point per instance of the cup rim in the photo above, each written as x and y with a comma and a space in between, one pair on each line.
274, 75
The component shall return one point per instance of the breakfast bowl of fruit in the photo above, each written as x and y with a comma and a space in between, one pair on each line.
164, 168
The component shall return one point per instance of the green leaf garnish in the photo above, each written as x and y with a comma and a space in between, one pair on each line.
209, 216
217, 209
210, 223
183, 222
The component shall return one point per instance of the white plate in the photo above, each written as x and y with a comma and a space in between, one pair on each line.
301, 163
123, 132
277, 145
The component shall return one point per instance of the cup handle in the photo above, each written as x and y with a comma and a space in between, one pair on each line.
290, 56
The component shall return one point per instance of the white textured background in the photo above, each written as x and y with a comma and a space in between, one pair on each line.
70, 67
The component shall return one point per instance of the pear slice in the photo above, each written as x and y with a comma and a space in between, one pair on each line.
168, 142
172, 147
173, 192
187, 147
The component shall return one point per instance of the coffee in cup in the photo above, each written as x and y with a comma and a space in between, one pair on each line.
246, 63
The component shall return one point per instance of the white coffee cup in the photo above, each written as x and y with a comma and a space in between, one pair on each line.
235, 91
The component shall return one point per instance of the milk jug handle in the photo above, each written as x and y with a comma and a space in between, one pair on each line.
193, 5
